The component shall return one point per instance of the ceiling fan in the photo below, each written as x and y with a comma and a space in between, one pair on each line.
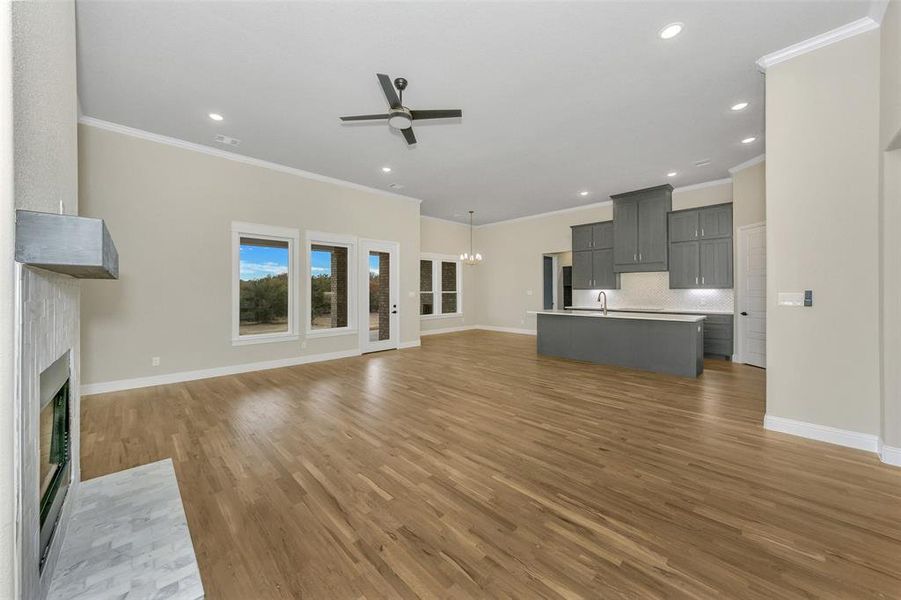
399, 116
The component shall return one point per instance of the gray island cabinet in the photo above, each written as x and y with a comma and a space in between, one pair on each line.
672, 344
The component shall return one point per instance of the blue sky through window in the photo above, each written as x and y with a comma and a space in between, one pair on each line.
374, 264
321, 262
258, 262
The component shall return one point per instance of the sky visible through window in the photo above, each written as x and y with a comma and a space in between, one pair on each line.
321, 262
374, 264
258, 262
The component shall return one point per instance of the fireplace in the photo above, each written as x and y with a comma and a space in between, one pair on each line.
55, 452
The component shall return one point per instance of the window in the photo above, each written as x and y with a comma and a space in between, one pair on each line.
331, 289
440, 286
264, 267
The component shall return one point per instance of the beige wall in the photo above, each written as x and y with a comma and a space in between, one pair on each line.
169, 210
513, 251
890, 220
822, 161
445, 237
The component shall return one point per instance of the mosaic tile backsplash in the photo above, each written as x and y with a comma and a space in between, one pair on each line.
651, 291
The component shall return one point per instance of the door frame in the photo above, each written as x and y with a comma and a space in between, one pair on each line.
739, 282
365, 247
555, 266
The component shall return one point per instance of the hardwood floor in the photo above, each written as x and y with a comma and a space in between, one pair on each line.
472, 468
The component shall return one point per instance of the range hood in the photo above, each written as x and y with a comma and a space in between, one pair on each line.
76, 246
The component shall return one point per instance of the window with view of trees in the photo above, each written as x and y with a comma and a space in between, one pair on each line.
264, 265
328, 286
439, 286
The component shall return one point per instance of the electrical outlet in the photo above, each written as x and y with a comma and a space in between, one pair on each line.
528, 292
303, 345
155, 361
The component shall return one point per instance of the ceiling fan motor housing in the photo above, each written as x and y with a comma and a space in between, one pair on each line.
400, 118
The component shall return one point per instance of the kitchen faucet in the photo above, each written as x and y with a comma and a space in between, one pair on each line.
603, 294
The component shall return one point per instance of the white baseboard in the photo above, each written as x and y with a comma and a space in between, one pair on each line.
140, 382
446, 330
413, 344
823, 433
507, 329
890, 455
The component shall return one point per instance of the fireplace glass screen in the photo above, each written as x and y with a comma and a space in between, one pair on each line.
54, 473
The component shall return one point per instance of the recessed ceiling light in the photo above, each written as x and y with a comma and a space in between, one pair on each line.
386, 169
216, 116
583, 193
671, 174
740, 106
748, 140
671, 31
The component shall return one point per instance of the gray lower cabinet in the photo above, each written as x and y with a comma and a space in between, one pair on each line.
700, 247
640, 229
718, 335
674, 347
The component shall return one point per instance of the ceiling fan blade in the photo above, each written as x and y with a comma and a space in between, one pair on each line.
388, 88
364, 117
436, 114
408, 135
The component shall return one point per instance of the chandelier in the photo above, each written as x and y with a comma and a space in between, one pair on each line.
471, 258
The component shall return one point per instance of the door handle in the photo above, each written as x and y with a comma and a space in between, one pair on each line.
744, 314
393, 312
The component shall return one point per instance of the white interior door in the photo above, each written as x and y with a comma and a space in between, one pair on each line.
752, 294
379, 307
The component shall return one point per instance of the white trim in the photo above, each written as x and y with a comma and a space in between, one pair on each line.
890, 455
437, 287
179, 377
507, 329
823, 433
748, 163
838, 34
185, 145
331, 239
702, 185
290, 235
877, 10
393, 248
447, 330
404, 345
547, 214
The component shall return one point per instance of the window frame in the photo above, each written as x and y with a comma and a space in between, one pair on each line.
316, 238
438, 290
267, 232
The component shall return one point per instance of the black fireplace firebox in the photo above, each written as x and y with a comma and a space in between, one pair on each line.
55, 448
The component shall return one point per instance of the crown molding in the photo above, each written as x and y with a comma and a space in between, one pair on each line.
547, 214
877, 10
702, 185
838, 34
208, 150
748, 163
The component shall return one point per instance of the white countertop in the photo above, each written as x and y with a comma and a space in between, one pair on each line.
691, 311
641, 316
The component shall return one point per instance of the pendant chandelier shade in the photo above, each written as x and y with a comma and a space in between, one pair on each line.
471, 258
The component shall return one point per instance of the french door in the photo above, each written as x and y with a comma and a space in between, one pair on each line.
379, 307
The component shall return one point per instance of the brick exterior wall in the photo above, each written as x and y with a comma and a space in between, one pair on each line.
448, 284
427, 295
384, 296
339, 286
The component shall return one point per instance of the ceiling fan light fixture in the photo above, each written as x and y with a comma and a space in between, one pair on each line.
400, 120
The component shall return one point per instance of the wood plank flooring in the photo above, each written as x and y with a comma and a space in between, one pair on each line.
473, 468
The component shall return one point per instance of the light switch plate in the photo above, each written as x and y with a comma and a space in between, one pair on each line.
791, 298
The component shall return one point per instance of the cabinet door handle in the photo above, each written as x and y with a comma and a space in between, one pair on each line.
635, 257
702, 280
696, 280
702, 232
639, 257
696, 233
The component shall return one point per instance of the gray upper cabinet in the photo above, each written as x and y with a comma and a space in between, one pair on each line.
605, 277
716, 221
684, 226
602, 235
640, 229
716, 263
702, 257
582, 237
593, 257
684, 265
582, 270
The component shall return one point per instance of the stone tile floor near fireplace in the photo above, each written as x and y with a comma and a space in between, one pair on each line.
128, 538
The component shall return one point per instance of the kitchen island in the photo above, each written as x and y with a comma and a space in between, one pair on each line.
661, 342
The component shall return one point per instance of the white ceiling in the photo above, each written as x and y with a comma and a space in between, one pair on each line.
557, 97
